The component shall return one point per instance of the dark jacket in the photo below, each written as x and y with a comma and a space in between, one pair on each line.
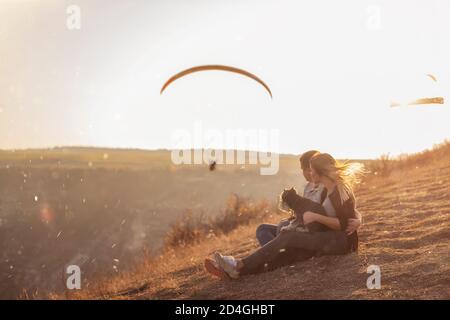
345, 211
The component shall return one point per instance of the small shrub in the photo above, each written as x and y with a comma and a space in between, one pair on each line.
192, 228
382, 166
385, 165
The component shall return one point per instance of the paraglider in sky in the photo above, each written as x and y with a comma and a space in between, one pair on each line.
432, 77
421, 101
435, 100
215, 67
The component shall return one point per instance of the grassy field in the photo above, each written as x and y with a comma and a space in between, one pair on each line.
406, 232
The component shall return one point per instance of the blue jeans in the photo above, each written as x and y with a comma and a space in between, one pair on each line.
267, 232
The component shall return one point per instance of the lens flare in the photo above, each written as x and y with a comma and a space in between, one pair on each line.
46, 214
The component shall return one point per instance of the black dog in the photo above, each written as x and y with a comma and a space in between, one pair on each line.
291, 200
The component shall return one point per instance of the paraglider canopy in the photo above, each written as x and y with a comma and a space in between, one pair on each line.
432, 77
434, 100
215, 67
421, 101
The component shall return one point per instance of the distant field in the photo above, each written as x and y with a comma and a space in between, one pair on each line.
99, 208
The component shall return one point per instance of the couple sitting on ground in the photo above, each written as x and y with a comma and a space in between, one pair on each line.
328, 201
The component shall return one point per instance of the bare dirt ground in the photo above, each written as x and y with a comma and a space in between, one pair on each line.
406, 232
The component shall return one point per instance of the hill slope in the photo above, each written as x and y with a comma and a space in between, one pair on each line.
100, 208
406, 232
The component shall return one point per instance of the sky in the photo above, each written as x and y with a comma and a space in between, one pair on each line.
333, 68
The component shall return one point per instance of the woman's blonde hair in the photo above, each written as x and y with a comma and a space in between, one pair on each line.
346, 175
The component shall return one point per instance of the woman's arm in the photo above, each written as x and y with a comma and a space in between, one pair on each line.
330, 222
344, 210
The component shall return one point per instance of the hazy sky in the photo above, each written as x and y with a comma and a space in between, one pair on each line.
333, 67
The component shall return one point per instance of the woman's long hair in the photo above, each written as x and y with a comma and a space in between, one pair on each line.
346, 175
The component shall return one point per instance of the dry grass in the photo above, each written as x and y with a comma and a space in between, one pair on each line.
192, 228
386, 164
237, 220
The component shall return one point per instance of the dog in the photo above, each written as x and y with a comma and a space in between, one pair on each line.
291, 201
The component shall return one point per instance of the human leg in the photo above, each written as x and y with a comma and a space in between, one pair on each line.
323, 243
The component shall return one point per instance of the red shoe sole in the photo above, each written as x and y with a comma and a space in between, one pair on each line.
211, 267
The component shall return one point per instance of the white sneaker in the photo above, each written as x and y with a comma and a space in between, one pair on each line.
227, 264
230, 260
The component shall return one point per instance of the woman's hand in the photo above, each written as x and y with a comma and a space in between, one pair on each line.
353, 225
309, 217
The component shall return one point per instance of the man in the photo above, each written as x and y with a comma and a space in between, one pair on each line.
315, 192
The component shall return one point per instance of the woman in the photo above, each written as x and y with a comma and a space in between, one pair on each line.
339, 180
